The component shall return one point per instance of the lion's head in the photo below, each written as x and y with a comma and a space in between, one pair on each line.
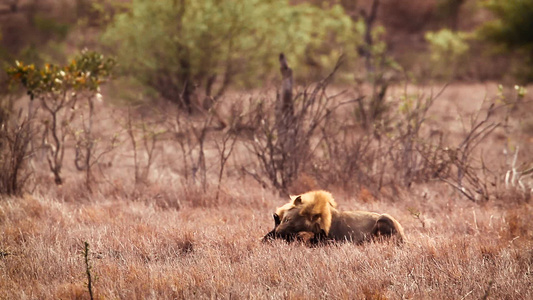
278, 215
309, 212
308, 202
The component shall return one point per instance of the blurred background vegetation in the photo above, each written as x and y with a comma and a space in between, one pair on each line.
170, 48
187, 54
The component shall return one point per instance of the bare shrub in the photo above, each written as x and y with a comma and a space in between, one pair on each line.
58, 90
225, 145
520, 177
143, 150
469, 176
15, 137
415, 153
193, 139
309, 135
191, 134
348, 158
283, 143
89, 149
355, 159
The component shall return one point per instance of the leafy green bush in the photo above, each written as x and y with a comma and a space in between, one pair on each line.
512, 29
448, 50
176, 46
513, 23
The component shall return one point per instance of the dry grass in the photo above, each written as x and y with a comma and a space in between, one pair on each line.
140, 251
169, 239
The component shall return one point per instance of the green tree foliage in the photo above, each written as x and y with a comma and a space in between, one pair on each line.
85, 72
174, 46
448, 50
512, 29
513, 24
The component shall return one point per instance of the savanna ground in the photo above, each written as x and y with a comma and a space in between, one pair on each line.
165, 237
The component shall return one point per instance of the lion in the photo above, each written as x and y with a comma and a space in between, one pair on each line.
316, 213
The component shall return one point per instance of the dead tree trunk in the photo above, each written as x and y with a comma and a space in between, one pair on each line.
285, 109
369, 19
286, 128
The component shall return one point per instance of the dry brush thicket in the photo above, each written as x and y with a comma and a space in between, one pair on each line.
177, 207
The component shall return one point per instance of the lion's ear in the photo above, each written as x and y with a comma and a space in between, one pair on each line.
293, 197
277, 220
297, 200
